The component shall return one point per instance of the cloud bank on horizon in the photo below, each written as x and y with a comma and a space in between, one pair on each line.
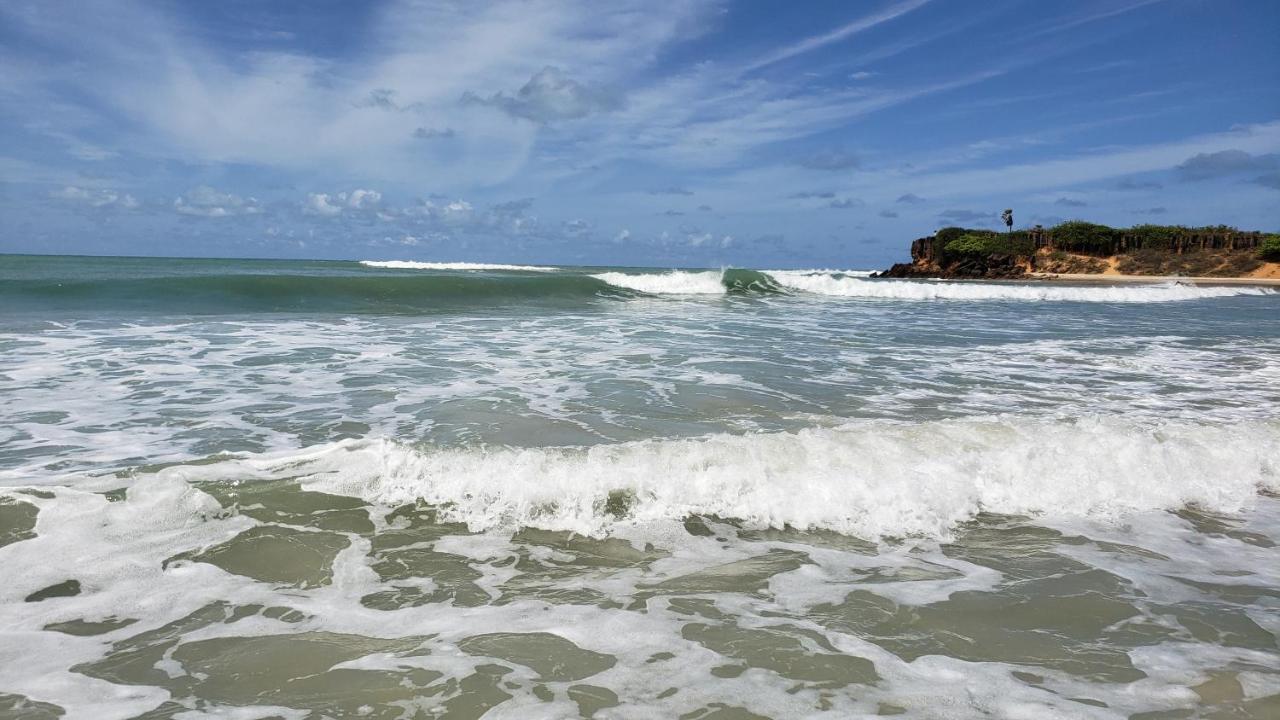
699, 132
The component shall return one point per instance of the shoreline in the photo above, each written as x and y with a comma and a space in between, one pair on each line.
1118, 279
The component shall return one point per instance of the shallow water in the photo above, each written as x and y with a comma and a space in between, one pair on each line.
441, 491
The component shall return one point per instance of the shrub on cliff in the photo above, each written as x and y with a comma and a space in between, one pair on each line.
1269, 250
1084, 237
947, 234
974, 245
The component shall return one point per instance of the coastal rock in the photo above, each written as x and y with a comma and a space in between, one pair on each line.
908, 270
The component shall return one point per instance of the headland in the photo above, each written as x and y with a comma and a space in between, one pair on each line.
1083, 251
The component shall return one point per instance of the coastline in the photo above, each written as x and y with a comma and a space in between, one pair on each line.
1118, 279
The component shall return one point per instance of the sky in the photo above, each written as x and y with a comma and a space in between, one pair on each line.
695, 133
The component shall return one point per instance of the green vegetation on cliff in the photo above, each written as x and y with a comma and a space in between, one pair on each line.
1270, 248
981, 244
1094, 239
1083, 237
1086, 238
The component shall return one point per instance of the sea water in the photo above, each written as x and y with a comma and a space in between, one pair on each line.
259, 489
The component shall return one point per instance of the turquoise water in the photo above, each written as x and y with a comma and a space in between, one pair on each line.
281, 488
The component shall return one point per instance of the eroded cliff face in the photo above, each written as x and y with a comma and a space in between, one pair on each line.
994, 266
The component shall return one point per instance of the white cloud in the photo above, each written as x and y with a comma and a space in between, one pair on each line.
363, 199
333, 204
204, 201
451, 213
457, 211
550, 95
97, 198
321, 204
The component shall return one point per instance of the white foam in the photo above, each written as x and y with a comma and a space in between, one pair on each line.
823, 271
118, 550
871, 478
675, 282
415, 265
830, 284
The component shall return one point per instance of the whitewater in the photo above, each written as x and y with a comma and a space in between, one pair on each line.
464, 489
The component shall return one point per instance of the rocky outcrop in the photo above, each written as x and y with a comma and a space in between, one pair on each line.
927, 262
908, 270
1073, 247
991, 267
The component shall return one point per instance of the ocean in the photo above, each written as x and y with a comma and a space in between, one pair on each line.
291, 489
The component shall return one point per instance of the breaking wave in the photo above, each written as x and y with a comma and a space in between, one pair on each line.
855, 284
414, 265
870, 479
676, 282
839, 285
685, 282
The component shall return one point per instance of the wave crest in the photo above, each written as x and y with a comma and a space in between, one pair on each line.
870, 479
675, 282
415, 265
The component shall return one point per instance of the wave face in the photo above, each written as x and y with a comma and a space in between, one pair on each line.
173, 286
349, 293
869, 479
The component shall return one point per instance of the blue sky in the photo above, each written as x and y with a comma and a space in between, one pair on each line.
691, 132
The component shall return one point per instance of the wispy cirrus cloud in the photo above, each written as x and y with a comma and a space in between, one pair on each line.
831, 159
838, 34
198, 101
1258, 139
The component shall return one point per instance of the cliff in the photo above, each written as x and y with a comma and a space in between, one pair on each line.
1080, 247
